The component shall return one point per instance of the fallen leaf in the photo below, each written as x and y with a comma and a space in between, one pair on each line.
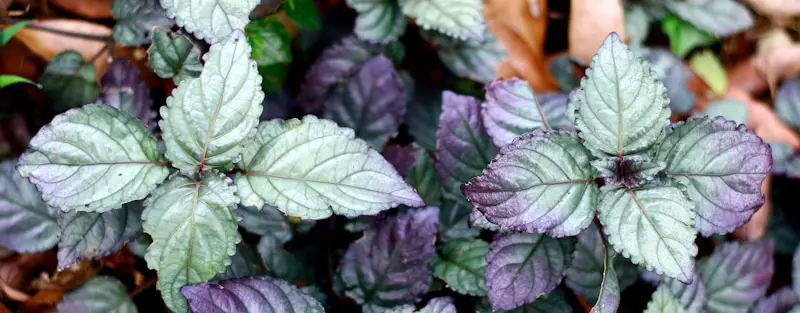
706, 65
18, 270
780, 11
522, 36
93, 9
47, 44
590, 22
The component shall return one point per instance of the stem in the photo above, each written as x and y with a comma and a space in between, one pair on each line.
57, 31
541, 112
147, 284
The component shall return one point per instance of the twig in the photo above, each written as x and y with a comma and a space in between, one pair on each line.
146, 285
56, 31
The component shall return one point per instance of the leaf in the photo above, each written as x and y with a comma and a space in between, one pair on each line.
522, 267
463, 147
706, 65
589, 22
281, 263
675, 75
193, 226
463, 266
391, 264
722, 166
212, 20
553, 302
684, 37
435, 305
174, 56
27, 224
787, 102
608, 298
269, 221
461, 19
469, 59
48, 44
302, 13
542, 182
378, 21
620, 107
93, 159
737, 275
246, 262
250, 294
345, 177
402, 158
101, 294
730, 109
719, 17
124, 89
422, 116
422, 177
693, 296
136, 19
88, 235
371, 102
585, 275
93, 9
271, 50
454, 218
208, 119
68, 82
651, 226
7, 80
637, 24
782, 300
564, 71
8, 32
512, 109
478, 220
629, 171
664, 301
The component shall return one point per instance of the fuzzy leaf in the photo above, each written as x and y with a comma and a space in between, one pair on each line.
68, 82
27, 224
174, 56
136, 19
94, 159
313, 169
271, 50
246, 262
737, 275
207, 119
522, 267
621, 107
719, 17
651, 226
302, 13
101, 294
463, 147
512, 109
664, 301
722, 166
454, 218
462, 19
781, 301
250, 294
88, 235
124, 89
787, 102
391, 264
693, 296
542, 182
212, 20
194, 232
628, 171
270, 222
422, 177
371, 102
675, 75
378, 21
463, 266
585, 275
467, 58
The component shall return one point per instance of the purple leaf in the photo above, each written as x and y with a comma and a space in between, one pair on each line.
250, 294
693, 296
781, 301
463, 147
477, 219
439, 305
512, 109
27, 224
402, 158
522, 267
737, 275
722, 166
542, 183
392, 264
372, 102
124, 89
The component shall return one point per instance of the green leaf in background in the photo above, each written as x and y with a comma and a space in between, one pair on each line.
730, 109
136, 19
93, 159
68, 82
462, 19
684, 37
463, 266
378, 21
271, 50
585, 275
212, 20
270, 222
664, 301
706, 65
467, 58
194, 232
454, 218
7, 33
6, 80
174, 56
637, 24
281, 263
101, 294
89, 235
302, 13
424, 180
719, 17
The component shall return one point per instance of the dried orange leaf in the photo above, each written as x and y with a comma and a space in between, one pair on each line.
590, 23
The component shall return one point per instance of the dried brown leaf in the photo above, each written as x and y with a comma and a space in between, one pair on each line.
590, 22
93, 9
780, 11
48, 44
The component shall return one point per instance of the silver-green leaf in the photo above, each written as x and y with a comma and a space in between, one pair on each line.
207, 119
462, 19
101, 294
621, 107
94, 159
719, 17
378, 21
664, 301
313, 169
462, 266
136, 19
651, 226
467, 58
27, 224
174, 56
212, 20
89, 235
194, 232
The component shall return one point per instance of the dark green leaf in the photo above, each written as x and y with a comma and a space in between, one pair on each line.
303, 13
271, 50
68, 82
